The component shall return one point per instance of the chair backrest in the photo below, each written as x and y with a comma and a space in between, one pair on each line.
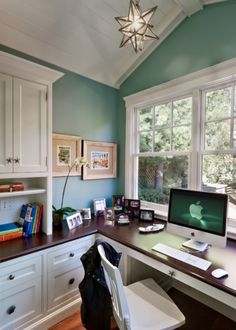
115, 285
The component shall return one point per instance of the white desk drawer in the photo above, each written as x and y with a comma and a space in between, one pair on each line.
68, 255
20, 304
12, 274
63, 286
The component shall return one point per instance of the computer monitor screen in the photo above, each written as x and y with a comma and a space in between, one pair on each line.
198, 215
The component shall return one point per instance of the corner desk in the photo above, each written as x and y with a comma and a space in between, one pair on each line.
135, 246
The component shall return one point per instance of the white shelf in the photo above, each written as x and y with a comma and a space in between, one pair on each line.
31, 191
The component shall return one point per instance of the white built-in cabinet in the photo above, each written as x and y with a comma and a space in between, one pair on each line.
40, 289
23, 144
26, 135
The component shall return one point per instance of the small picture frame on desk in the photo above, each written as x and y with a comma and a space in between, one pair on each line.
99, 205
132, 207
146, 215
74, 220
86, 213
118, 203
109, 213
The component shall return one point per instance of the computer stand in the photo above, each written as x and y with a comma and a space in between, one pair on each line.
195, 245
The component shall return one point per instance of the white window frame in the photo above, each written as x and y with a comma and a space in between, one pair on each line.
192, 84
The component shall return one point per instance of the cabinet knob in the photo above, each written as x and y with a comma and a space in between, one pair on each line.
9, 160
11, 309
72, 254
11, 277
172, 273
17, 160
71, 281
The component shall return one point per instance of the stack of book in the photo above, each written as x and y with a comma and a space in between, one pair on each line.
10, 231
9, 187
30, 218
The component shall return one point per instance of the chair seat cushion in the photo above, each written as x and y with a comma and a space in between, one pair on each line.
151, 308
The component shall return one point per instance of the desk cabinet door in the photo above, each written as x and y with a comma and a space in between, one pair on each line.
63, 286
20, 304
6, 152
30, 126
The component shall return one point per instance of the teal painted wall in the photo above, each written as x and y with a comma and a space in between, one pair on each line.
204, 39
89, 109
97, 112
86, 108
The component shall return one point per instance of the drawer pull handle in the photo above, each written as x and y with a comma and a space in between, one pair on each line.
11, 277
71, 281
72, 254
11, 309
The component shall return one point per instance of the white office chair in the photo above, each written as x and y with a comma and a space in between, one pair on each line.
142, 305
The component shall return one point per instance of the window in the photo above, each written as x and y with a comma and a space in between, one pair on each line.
183, 135
218, 156
164, 130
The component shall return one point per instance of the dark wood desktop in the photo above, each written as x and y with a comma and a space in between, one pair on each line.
129, 236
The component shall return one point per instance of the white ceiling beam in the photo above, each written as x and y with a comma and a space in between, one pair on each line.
189, 7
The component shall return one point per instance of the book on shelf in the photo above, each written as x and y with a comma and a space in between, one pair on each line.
7, 228
30, 218
13, 186
9, 236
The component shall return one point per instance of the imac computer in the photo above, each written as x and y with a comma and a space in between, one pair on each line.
200, 216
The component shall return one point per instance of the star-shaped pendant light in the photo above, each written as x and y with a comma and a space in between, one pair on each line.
136, 27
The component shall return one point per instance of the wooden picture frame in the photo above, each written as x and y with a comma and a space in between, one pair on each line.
65, 147
118, 202
132, 207
109, 213
101, 157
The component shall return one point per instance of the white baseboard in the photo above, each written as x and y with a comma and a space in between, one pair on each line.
58, 315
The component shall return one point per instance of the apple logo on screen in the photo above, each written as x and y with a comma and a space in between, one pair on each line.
196, 210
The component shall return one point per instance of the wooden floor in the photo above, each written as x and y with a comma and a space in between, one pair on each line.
198, 316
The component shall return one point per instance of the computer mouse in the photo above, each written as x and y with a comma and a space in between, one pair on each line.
218, 273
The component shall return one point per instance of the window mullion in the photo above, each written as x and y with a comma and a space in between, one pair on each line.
171, 126
195, 156
232, 118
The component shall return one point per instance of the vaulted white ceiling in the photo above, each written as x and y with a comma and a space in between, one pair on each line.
82, 35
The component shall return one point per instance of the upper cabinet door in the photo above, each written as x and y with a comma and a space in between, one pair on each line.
6, 152
30, 126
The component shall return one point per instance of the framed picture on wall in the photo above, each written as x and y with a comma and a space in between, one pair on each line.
101, 157
65, 148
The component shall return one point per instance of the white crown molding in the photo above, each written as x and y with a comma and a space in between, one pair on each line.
17, 66
218, 73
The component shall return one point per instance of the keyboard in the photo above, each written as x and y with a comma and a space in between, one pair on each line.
182, 256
